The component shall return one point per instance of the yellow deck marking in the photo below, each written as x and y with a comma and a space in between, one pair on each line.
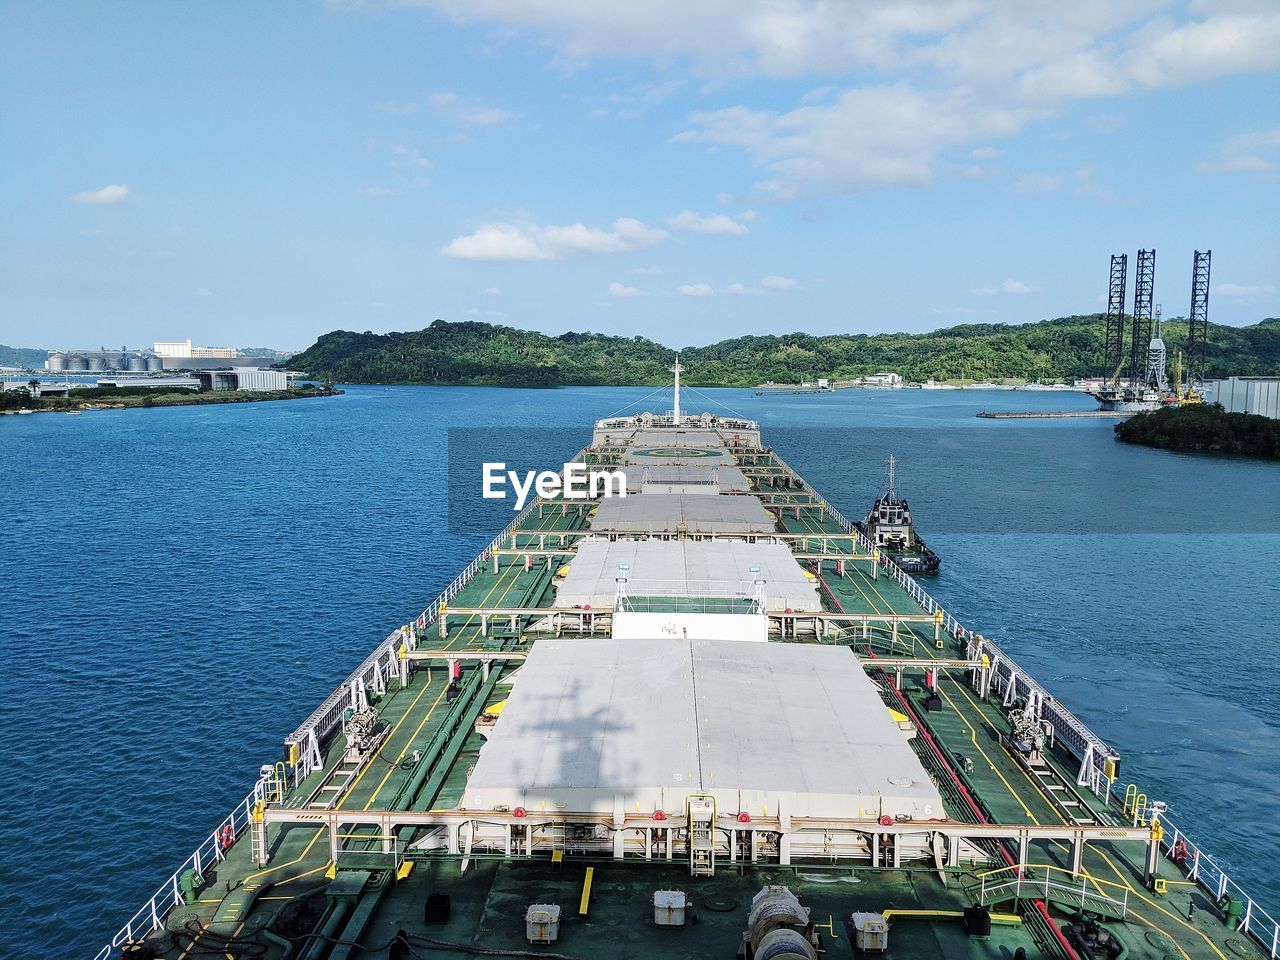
396, 726
585, 900
514, 568
298, 859
395, 766
1172, 916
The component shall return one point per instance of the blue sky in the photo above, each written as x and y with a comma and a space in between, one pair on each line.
261, 174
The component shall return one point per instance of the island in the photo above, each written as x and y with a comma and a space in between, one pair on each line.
1203, 428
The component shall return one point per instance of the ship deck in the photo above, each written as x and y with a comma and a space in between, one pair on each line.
300, 903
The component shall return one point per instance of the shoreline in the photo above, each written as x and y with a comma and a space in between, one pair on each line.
149, 401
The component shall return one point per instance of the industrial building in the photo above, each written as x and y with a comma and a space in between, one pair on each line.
244, 378
182, 350
102, 360
153, 383
1260, 395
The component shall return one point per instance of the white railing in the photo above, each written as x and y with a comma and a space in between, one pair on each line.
318, 726
646, 420
1210, 877
325, 718
1255, 921
997, 889
210, 851
1087, 746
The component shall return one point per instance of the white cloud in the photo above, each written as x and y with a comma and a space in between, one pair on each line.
1037, 183
203, 292
695, 290
617, 289
1244, 154
493, 291
736, 288
376, 192
1241, 291
114, 193
873, 136
933, 75
645, 271
986, 153
717, 223
468, 113
529, 241
774, 282
407, 155
396, 107
1009, 286
1240, 164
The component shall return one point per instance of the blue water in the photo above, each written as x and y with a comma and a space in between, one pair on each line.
181, 586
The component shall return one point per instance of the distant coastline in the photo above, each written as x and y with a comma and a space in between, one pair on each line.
474, 353
106, 398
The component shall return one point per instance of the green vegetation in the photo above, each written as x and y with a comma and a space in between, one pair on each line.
22, 357
484, 354
82, 398
1204, 427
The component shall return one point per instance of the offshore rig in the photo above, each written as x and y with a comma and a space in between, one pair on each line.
1147, 384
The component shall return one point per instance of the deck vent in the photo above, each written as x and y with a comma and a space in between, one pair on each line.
870, 932
669, 907
542, 923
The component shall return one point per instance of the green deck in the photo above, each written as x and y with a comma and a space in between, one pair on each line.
489, 895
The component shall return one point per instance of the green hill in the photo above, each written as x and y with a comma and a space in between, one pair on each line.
484, 354
22, 357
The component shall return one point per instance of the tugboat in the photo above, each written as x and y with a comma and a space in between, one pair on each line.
888, 526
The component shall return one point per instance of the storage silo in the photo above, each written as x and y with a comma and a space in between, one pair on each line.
97, 362
154, 363
136, 363
77, 362
57, 362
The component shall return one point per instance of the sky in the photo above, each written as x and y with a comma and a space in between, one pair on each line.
260, 174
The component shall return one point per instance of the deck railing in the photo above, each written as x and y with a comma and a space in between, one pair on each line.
1214, 880
1263, 928
328, 715
1087, 746
316, 728
1062, 887
211, 851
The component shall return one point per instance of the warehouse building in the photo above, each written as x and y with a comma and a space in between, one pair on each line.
1260, 395
245, 378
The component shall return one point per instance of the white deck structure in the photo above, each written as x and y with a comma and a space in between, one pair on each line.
686, 569
764, 728
694, 513
688, 478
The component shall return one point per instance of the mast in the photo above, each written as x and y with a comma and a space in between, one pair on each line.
892, 462
676, 369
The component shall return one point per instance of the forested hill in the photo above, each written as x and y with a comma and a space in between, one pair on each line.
482, 353
22, 357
